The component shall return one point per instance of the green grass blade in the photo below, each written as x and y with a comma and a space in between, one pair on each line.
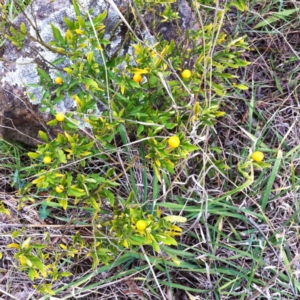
274, 173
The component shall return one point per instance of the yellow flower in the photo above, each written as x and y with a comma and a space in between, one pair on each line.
174, 141
258, 156
79, 31
59, 189
137, 78
141, 225
47, 160
186, 74
58, 80
59, 117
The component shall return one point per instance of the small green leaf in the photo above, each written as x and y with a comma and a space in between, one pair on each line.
167, 240
44, 75
239, 4
137, 240
157, 173
26, 260
174, 219
26, 243
43, 136
76, 7
94, 203
53, 122
189, 147
61, 156
65, 274
89, 57
110, 197
57, 35
90, 82
100, 18
38, 264
43, 212
140, 129
13, 246
23, 28
15, 234
31, 274
63, 203
3, 210
69, 23
241, 87
81, 22
134, 84
104, 42
76, 192
69, 71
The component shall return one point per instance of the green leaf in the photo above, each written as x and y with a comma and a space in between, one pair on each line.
63, 203
57, 35
58, 99
157, 173
13, 246
104, 42
140, 129
69, 71
241, 62
134, 84
90, 82
26, 243
94, 203
241, 87
38, 264
43, 212
100, 18
3, 210
239, 4
174, 219
110, 197
26, 260
156, 246
43, 136
89, 57
110, 172
31, 274
76, 7
69, 23
53, 122
137, 240
23, 28
65, 274
44, 75
167, 240
76, 192
15, 234
189, 147
81, 22
45, 289
61, 156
